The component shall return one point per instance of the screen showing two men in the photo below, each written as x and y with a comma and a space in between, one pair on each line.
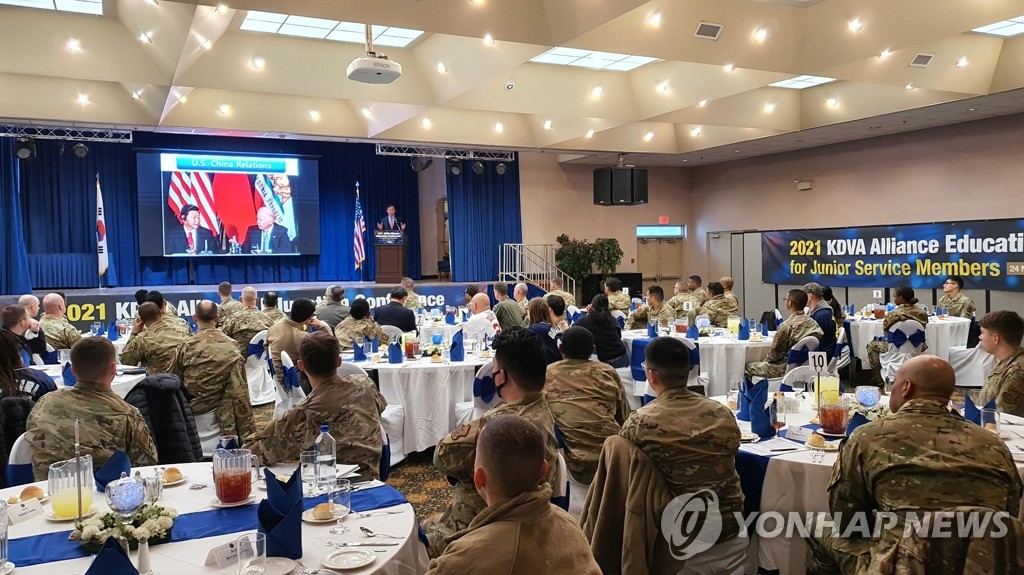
223, 205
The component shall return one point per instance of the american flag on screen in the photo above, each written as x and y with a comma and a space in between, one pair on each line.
194, 188
360, 230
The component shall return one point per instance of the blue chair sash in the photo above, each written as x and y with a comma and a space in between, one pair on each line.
270, 364
26, 359
898, 338
49, 358
622, 322
694, 356
559, 438
483, 387
384, 467
636, 357
797, 356
256, 349
574, 317
291, 378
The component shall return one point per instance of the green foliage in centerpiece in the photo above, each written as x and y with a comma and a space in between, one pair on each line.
149, 522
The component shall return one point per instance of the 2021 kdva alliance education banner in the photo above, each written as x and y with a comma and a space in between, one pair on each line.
987, 254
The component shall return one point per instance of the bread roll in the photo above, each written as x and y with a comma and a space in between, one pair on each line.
32, 492
815, 440
322, 512
172, 474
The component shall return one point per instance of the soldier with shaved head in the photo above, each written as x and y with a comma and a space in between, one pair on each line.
59, 333
246, 321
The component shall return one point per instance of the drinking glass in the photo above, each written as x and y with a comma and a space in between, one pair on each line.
817, 455
990, 420
63, 357
777, 413
436, 338
733, 401
340, 499
307, 473
154, 488
3, 534
252, 554
96, 327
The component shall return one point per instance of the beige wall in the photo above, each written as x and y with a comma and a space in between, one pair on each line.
559, 198
433, 186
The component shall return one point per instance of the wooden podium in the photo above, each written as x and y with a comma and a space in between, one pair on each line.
390, 249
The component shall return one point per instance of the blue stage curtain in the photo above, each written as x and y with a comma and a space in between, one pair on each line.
59, 196
14, 274
483, 214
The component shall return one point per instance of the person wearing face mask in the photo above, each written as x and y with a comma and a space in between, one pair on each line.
519, 373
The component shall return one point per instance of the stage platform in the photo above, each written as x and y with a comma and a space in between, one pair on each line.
261, 288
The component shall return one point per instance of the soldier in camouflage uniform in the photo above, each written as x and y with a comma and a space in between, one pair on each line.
1001, 333
519, 371
59, 333
107, 422
228, 304
796, 327
587, 402
556, 289
616, 299
519, 294
247, 321
692, 440
920, 458
175, 322
270, 308
906, 308
959, 305
350, 406
358, 326
557, 306
413, 300
698, 294
654, 310
213, 371
727, 283
718, 308
153, 341
678, 300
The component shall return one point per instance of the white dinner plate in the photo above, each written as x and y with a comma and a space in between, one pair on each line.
7, 568
51, 517
43, 499
348, 559
279, 566
221, 505
749, 437
830, 435
307, 516
183, 479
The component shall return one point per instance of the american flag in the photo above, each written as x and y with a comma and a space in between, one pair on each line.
360, 229
194, 188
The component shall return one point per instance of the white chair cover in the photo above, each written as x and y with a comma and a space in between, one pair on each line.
894, 357
842, 359
728, 558
209, 432
775, 383
351, 369
19, 463
257, 372
466, 411
286, 399
694, 378
393, 333
972, 365
617, 313
560, 489
393, 422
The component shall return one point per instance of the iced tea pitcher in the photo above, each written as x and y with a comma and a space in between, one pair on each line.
234, 471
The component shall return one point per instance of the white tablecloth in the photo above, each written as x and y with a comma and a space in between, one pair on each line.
428, 392
426, 331
187, 557
940, 335
121, 385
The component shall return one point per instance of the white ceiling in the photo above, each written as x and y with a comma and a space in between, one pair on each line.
199, 60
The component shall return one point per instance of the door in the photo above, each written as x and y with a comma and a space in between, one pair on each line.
660, 260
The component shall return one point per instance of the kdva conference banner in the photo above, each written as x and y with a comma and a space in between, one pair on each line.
989, 255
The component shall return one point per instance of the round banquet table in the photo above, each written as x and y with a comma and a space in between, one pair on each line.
122, 384
409, 557
940, 335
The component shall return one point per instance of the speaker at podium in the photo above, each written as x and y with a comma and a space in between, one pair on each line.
390, 250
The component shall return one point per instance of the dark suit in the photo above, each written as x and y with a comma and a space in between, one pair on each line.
333, 314
387, 225
279, 242
175, 241
397, 315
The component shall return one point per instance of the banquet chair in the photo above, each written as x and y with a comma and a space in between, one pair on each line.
351, 369
19, 463
161, 400
797, 357
560, 495
289, 393
385, 455
572, 314
209, 432
394, 334
971, 365
392, 419
484, 396
841, 357
619, 317
906, 340
260, 379
694, 383
48, 358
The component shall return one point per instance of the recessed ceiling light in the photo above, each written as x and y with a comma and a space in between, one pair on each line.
441, 68
695, 132
477, 2
769, 107
962, 62
547, 124
909, 86
832, 103
488, 39
590, 133
368, 114
182, 98
314, 115
760, 35
258, 62
648, 136
597, 91
426, 123
74, 46
224, 109
206, 45
663, 87
729, 67
801, 82
221, 8
735, 151
971, 109
82, 99
884, 54
145, 38
593, 59
702, 103
654, 20
136, 95
153, 2
499, 127
855, 25
1003, 28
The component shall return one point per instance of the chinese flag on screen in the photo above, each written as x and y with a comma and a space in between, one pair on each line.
232, 194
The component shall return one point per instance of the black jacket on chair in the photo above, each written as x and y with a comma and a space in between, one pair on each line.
162, 400
13, 416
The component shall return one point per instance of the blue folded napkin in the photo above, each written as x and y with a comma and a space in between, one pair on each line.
69, 377
112, 560
622, 322
112, 332
744, 333
282, 494
395, 353
743, 404
449, 318
856, 421
279, 516
111, 470
971, 411
692, 332
357, 351
458, 351
376, 345
764, 329
652, 330
760, 420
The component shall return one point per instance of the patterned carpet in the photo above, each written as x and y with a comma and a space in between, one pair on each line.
416, 477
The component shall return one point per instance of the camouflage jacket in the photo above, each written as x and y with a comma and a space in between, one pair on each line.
904, 312
154, 347
566, 297
273, 314
350, 330
678, 303
618, 300
108, 424
244, 324
284, 336
718, 310
959, 306
588, 404
59, 333
796, 327
351, 406
641, 316
731, 296
213, 371
228, 305
699, 296
693, 441
414, 301
1006, 385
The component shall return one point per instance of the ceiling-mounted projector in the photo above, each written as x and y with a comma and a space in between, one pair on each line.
374, 69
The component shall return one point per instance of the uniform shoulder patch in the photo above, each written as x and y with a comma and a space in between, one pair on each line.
461, 432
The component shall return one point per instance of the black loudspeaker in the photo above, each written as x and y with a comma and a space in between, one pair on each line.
620, 186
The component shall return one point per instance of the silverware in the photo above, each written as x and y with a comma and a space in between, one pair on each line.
363, 544
369, 533
305, 569
374, 513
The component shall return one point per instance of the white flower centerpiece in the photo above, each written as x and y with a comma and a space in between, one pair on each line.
149, 523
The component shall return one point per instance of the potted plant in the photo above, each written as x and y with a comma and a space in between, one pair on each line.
607, 255
574, 257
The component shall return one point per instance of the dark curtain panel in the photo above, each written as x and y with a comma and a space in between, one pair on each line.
14, 274
59, 197
483, 214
